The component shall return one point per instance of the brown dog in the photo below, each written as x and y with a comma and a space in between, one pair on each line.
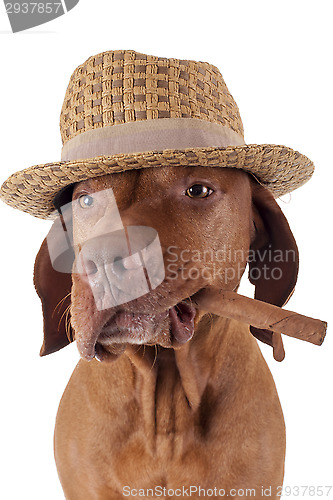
188, 401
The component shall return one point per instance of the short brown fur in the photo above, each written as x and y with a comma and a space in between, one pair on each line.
205, 413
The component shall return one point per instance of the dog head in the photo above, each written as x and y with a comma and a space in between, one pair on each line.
204, 224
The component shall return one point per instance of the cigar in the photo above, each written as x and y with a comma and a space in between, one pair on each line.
261, 315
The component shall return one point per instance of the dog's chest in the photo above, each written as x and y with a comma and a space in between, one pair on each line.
138, 429
172, 410
162, 437
165, 418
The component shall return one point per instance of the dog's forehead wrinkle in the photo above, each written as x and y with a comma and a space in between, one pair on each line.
164, 176
153, 180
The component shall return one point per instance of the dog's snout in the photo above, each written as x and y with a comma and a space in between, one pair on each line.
122, 265
104, 251
90, 267
119, 267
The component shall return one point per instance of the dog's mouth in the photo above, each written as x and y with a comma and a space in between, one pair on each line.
182, 322
171, 328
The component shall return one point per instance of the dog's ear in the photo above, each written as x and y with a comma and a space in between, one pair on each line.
273, 262
54, 290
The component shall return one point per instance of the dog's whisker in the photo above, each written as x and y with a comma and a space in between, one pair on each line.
66, 314
155, 357
60, 303
63, 314
70, 336
138, 349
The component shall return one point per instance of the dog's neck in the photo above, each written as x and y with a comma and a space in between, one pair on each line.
155, 363
177, 379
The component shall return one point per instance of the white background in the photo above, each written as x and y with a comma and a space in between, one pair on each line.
276, 58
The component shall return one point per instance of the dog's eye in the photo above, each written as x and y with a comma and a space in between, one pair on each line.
198, 191
86, 201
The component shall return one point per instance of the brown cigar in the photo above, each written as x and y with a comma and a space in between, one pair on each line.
261, 315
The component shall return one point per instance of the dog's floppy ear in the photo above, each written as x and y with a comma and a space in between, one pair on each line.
54, 287
273, 263
54, 291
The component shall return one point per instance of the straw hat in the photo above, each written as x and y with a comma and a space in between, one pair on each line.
124, 110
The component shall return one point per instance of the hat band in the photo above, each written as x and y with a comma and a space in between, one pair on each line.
149, 135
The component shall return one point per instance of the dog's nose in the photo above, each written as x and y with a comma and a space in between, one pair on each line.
122, 265
91, 261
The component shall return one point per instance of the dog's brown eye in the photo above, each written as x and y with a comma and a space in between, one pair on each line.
198, 191
86, 201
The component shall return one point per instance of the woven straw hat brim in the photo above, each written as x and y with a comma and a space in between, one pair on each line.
279, 168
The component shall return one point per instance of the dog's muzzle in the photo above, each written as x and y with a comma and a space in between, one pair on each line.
122, 265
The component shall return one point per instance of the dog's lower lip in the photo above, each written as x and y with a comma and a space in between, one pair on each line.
182, 309
123, 319
120, 328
